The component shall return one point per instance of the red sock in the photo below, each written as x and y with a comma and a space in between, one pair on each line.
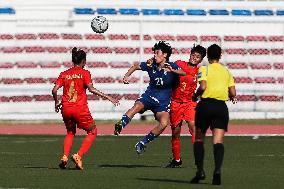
68, 141
176, 148
87, 142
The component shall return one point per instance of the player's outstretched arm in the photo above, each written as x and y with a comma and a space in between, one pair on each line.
57, 103
130, 71
233, 94
93, 90
175, 71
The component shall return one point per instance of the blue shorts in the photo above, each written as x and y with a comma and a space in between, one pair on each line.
153, 104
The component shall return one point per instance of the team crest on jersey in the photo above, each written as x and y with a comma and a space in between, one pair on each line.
199, 75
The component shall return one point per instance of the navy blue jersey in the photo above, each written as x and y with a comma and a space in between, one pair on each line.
161, 81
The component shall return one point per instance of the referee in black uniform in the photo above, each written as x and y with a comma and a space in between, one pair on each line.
216, 86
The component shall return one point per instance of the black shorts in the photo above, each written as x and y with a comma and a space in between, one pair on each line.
211, 113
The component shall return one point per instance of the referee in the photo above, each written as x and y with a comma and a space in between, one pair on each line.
216, 86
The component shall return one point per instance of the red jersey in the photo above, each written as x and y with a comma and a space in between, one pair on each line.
74, 82
186, 85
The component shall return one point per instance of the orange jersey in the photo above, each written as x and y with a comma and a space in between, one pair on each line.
186, 85
74, 82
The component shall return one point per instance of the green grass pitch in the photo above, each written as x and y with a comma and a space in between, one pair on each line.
31, 162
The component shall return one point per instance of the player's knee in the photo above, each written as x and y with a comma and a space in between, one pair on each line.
93, 131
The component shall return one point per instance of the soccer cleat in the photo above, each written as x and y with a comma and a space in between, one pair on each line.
63, 163
216, 179
200, 175
117, 128
78, 161
174, 164
140, 147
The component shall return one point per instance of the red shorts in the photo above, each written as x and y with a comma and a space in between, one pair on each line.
77, 115
182, 111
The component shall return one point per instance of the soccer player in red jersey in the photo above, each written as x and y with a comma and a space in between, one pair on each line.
182, 106
74, 106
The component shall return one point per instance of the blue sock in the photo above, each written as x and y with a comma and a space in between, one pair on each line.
125, 120
148, 138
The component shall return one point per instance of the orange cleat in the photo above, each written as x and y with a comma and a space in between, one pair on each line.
63, 163
78, 161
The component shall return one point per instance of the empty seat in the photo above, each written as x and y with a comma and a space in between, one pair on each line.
238, 51
175, 51
280, 12
247, 98
118, 37
106, 11
278, 65
68, 64
51, 80
186, 38
53, 64
48, 36
164, 37
97, 64
131, 96
173, 12
196, 12
26, 64
243, 80
6, 37
93, 97
275, 38
57, 49
263, 12
258, 51
185, 50
7, 10
9, 81
210, 38
94, 36
34, 49
4, 99
237, 65
72, 36
23, 98
221, 12
116, 64
148, 50
101, 49
104, 80
83, 11
280, 80
234, 38
151, 11
116, 96
241, 12
265, 80
277, 51
137, 37
256, 38
263, 66
35, 80
12, 49
6, 65
130, 79
125, 50
270, 98
131, 11
147, 37
25, 36
42, 97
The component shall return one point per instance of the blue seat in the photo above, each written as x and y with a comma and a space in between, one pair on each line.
218, 12
7, 11
241, 12
280, 12
263, 12
151, 11
84, 11
128, 11
106, 11
173, 12
197, 12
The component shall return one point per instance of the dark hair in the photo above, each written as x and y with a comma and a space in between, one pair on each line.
78, 55
164, 47
214, 52
199, 49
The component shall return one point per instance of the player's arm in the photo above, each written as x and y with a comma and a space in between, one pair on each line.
132, 69
93, 90
200, 90
233, 94
57, 103
176, 69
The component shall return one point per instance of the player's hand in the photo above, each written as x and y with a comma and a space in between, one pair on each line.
234, 100
125, 80
150, 62
58, 106
194, 98
168, 67
114, 101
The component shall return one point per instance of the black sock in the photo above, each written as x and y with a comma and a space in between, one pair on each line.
198, 149
218, 156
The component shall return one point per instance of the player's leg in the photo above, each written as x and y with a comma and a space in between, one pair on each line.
163, 118
191, 128
189, 116
218, 150
126, 118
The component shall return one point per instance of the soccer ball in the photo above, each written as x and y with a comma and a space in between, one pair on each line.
99, 24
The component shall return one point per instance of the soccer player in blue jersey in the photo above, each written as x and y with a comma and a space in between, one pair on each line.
157, 97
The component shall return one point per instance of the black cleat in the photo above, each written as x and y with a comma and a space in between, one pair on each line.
200, 175
117, 128
174, 164
216, 179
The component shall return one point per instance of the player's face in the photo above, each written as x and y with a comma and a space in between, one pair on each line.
195, 58
160, 56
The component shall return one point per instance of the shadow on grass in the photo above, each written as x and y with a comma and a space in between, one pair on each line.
125, 166
169, 180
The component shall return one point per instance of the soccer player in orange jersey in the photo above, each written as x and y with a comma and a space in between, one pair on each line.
182, 106
74, 106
